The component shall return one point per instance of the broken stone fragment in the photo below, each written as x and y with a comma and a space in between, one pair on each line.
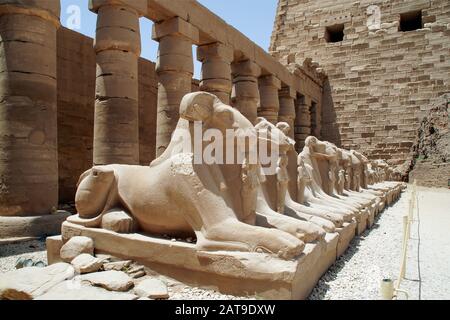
111, 280
75, 290
86, 263
29, 283
76, 246
136, 272
118, 265
118, 221
152, 288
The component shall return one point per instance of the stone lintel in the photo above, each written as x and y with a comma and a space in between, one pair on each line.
175, 26
141, 6
217, 49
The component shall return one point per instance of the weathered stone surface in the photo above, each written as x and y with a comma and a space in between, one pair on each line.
152, 288
75, 290
76, 246
110, 280
29, 283
86, 263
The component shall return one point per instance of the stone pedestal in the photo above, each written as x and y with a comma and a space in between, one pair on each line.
175, 68
28, 118
245, 92
270, 103
118, 47
237, 273
287, 107
14, 229
216, 70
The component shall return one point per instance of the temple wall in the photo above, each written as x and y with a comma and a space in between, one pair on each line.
380, 81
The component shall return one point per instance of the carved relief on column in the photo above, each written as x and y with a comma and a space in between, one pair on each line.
287, 107
175, 68
302, 122
28, 98
216, 61
245, 92
118, 47
270, 103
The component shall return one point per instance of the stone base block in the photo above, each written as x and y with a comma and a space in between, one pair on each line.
371, 219
53, 245
346, 234
362, 223
31, 227
237, 273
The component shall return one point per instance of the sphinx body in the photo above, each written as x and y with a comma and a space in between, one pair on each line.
178, 197
276, 195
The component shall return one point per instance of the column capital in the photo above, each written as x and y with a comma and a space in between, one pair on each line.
217, 49
141, 6
270, 81
287, 92
47, 10
175, 26
245, 68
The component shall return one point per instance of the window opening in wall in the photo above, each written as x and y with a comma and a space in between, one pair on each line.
410, 21
334, 33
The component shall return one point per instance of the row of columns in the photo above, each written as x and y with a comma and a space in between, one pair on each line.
28, 89
239, 83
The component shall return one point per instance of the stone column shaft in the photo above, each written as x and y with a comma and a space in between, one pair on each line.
28, 98
245, 92
287, 107
270, 103
175, 68
216, 61
118, 47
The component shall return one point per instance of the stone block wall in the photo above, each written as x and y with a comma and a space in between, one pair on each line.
148, 91
76, 100
381, 80
76, 97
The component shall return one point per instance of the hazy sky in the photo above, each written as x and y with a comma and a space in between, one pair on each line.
254, 18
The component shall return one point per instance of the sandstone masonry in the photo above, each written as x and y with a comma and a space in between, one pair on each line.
381, 78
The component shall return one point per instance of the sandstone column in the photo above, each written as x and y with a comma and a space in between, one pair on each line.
216, 61
287, 107
118, 47
270, 103
28, 127
174, 68
28, 119
302, 122
245, 92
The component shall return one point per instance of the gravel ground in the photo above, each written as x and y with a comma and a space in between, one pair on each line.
10, 253
374, 255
